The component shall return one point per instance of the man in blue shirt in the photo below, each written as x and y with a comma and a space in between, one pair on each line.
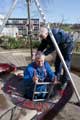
65, 43
38, 71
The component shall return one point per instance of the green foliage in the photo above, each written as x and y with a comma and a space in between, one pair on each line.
66, 28
35, 43
14, 43
77, 47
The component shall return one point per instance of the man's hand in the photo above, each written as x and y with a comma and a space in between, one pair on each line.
55, 81
35, 79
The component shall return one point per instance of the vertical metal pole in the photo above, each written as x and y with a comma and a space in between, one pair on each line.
8, 15
29, 25
57, 48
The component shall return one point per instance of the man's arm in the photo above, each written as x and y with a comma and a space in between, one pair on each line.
49, 50
49, 71
28, 74
42, 46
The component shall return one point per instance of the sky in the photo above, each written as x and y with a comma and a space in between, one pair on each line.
63, 11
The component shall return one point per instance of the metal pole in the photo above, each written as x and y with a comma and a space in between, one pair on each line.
29, 25
8, 15
57, 48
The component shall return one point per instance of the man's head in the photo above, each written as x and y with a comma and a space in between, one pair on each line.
43, 32
39, 59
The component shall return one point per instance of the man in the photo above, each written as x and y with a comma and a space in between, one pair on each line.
65, 43
38, 71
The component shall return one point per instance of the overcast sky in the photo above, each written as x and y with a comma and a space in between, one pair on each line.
67, 11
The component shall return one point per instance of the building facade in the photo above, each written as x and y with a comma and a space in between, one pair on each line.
22, 24
19, 26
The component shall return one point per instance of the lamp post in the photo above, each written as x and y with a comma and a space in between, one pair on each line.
29, 25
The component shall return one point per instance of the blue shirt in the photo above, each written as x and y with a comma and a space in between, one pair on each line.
42, 72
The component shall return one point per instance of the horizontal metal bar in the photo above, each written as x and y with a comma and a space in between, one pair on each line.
36, 100
45, 83
40, 92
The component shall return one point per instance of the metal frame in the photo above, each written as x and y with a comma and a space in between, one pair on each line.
51, 35
56, 46
8, 15
47, 92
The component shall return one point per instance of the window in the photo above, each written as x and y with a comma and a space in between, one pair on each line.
36, 21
